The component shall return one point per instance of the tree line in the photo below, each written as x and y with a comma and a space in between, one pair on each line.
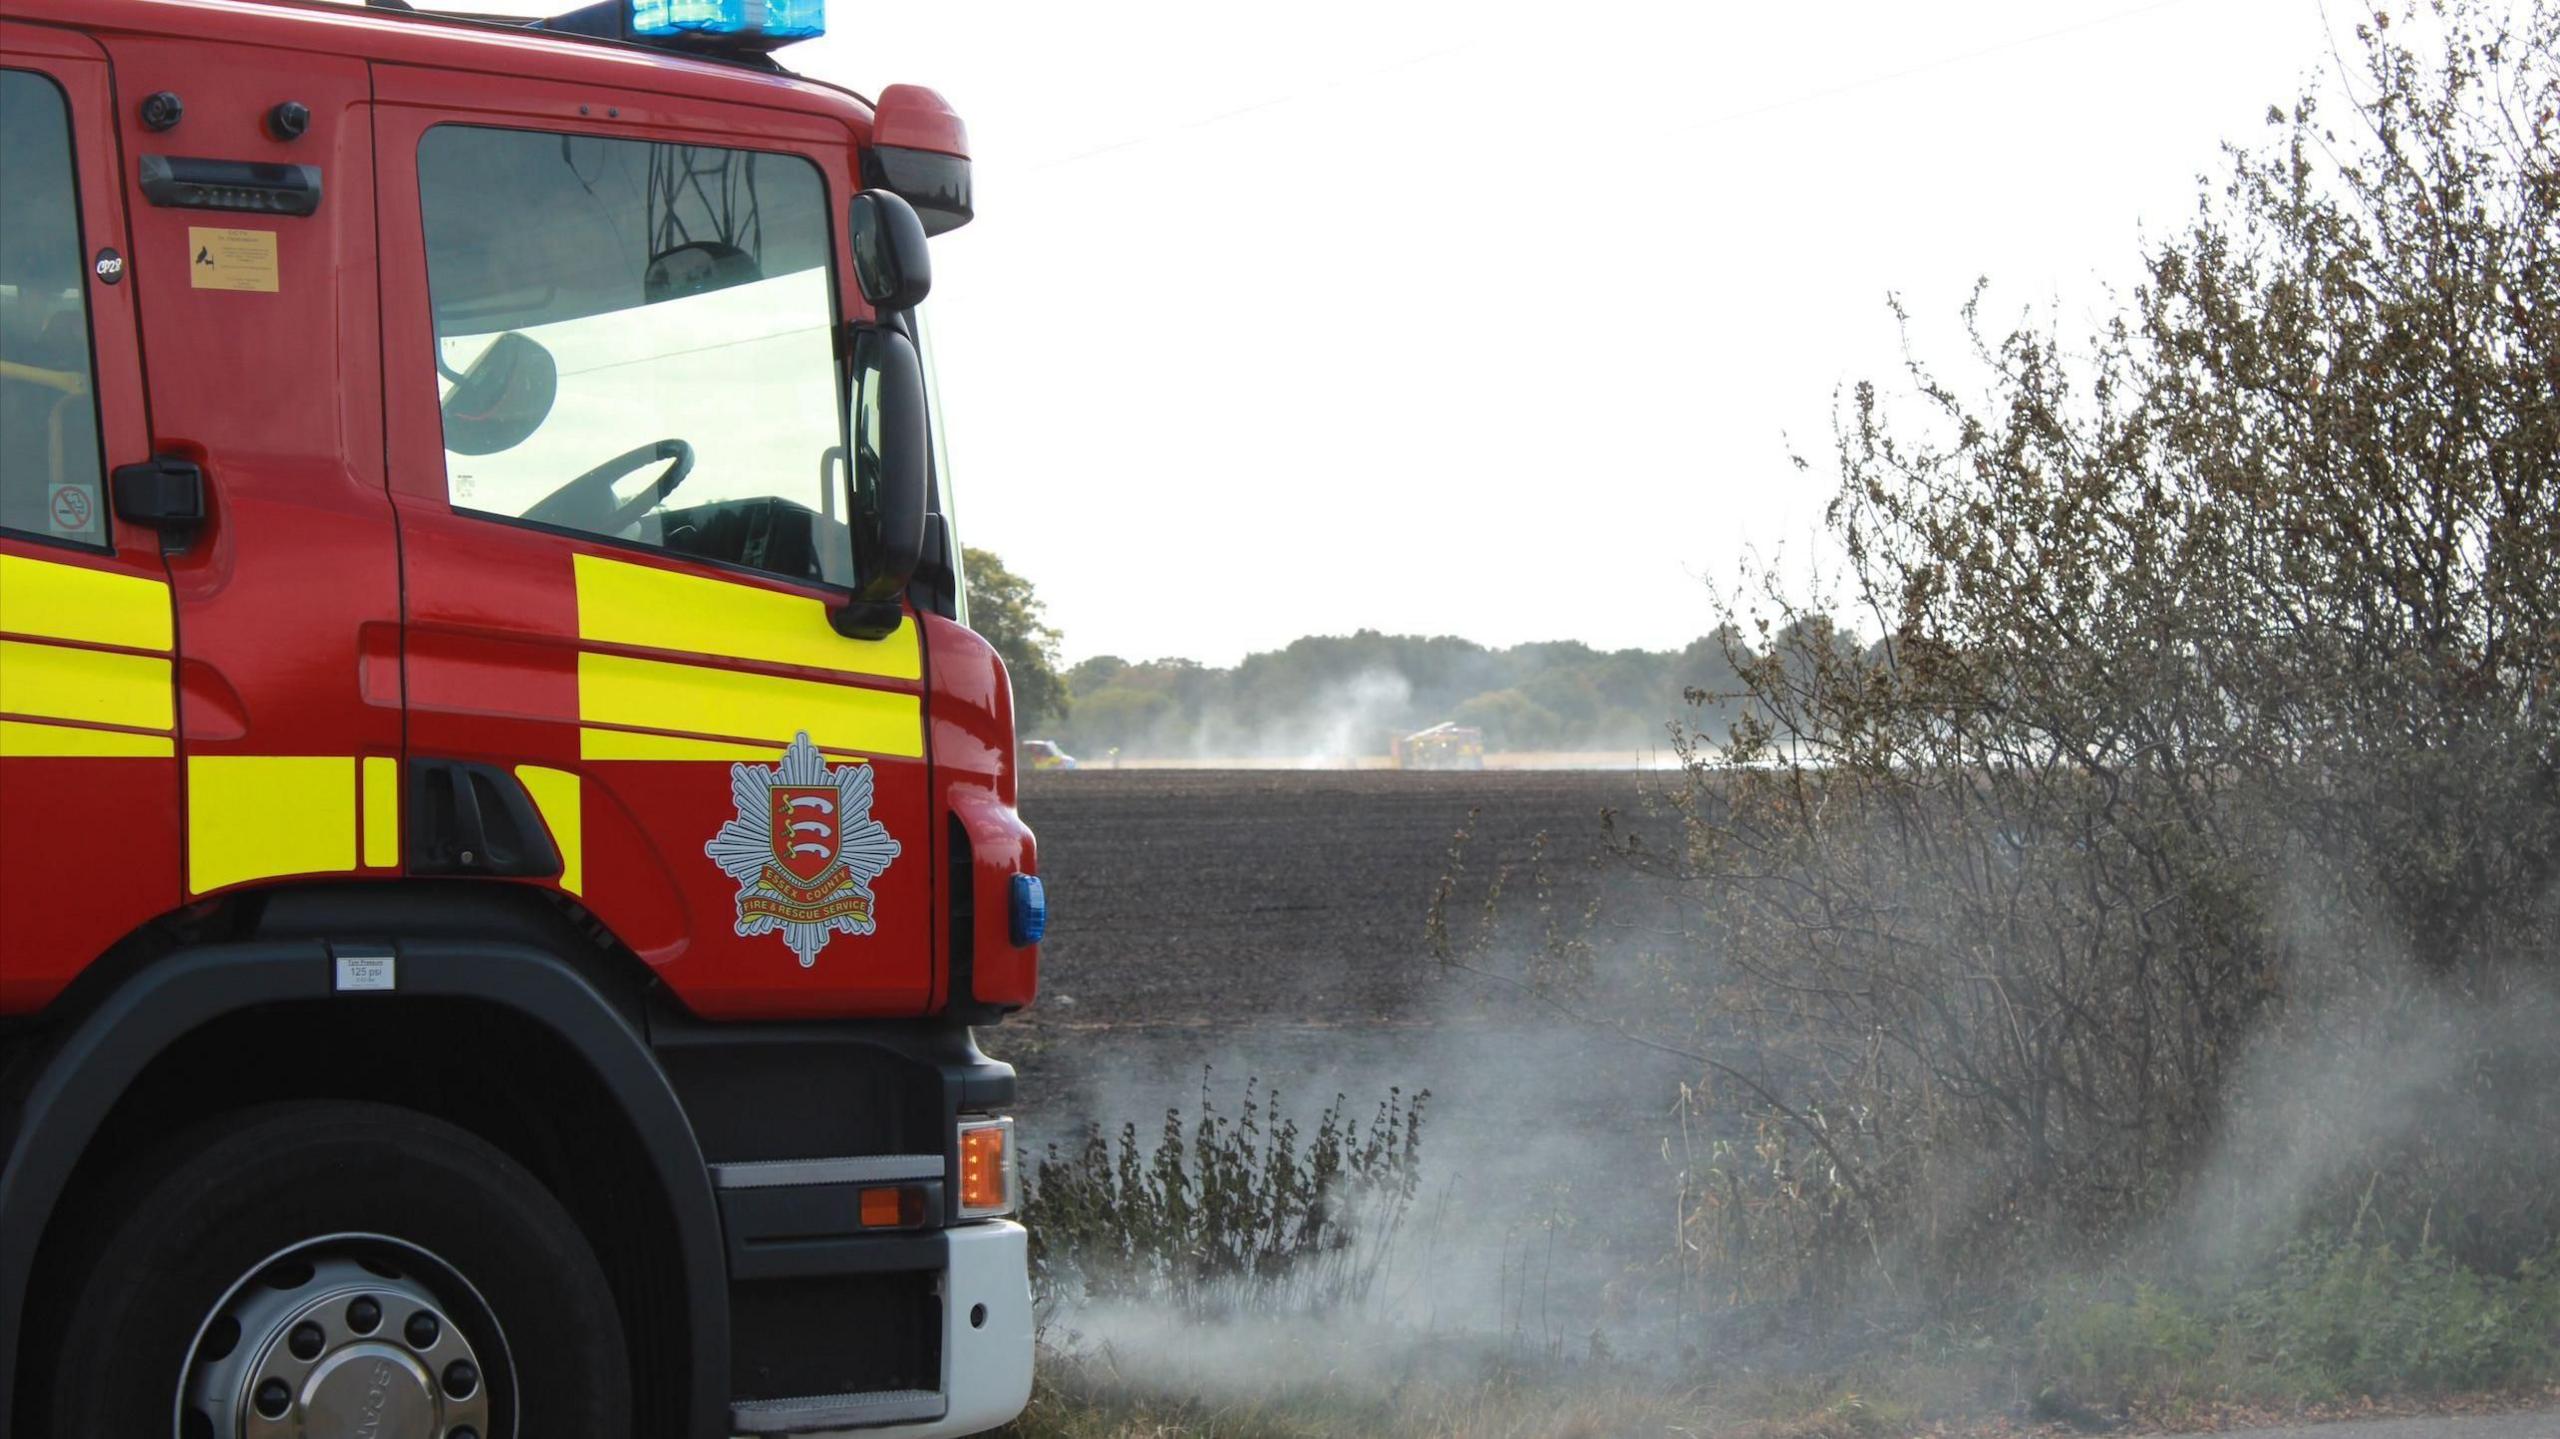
1332, 696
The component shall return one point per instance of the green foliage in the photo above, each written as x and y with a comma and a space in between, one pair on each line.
1512, 720
2349, 1318
2333, 1318
1229, 1212
1008, 613
2151, 1342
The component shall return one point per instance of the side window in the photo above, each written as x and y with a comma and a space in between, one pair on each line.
49, 461
636, 341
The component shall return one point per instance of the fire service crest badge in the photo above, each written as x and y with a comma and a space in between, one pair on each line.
804, 849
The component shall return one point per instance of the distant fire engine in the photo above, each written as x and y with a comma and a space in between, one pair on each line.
1447, 745
505, 829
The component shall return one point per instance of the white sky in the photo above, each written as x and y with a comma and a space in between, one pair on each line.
1494, 319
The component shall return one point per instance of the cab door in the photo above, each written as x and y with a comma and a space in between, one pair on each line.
253, 282
89, 836
616, 440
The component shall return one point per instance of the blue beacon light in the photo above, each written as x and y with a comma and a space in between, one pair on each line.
1030, 910
774, 19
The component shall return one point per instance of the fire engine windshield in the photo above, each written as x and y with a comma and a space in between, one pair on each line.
635, 340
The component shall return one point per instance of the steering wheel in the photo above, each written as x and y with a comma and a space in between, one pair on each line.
570, 504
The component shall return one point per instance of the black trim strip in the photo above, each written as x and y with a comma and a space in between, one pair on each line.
924, 1252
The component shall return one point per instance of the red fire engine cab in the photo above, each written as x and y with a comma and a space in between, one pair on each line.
505, 830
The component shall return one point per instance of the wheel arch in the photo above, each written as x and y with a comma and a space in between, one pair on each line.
136, 1040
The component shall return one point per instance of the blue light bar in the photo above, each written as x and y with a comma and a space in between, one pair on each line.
772, 19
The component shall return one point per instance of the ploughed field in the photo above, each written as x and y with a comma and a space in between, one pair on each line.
1291, 896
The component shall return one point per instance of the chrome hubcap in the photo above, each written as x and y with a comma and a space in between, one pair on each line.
349, 1336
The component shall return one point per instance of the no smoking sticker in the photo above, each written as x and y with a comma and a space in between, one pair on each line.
71, 510
225, 259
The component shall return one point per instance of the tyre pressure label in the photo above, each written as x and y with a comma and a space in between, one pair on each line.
219, 258
804, 849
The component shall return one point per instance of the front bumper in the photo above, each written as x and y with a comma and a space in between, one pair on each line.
985, 1294
837, 1323
986, 1332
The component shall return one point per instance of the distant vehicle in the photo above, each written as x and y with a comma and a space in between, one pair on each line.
1045, 754
1447, 745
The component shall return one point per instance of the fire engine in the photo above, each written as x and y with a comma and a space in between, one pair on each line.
506, 834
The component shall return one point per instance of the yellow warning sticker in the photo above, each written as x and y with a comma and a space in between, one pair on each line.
221, 259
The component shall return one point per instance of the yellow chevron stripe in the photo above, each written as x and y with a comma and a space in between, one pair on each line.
52, 682
632, 744
252, 816
71, 602
555, 793
381, 811
25, 739
614, 689
627, 604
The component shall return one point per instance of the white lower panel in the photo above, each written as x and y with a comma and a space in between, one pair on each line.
986, 1367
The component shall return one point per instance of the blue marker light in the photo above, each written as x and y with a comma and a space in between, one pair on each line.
795, 19
778, 19
1030, 910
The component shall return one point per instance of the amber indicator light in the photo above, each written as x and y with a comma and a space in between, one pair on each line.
983, 1170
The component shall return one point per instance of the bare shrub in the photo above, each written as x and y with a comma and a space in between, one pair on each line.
2208, 712
1226, 1213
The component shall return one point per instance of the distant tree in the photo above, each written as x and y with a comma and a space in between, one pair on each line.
1092, 674
1511, 720
1120, 717
1007, 611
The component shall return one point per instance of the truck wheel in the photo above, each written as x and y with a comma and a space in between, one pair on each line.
339, 1268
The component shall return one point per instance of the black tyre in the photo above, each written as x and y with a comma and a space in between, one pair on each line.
338, 1267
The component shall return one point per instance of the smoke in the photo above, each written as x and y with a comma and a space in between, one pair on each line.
1337, 721
1554, 1230
1542, 1164
1541, 1234
2413, 1116
1559, 706
1354, 722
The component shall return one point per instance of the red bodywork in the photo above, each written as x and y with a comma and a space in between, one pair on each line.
337, 607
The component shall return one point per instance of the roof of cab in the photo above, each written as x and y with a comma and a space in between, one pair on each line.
453, 42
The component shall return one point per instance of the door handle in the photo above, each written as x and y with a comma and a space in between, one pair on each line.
165, 492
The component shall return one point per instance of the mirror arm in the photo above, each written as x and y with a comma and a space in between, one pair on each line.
867, 619
935, 589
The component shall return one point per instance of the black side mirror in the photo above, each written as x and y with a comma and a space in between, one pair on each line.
502, 399
890, 261
889, 481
